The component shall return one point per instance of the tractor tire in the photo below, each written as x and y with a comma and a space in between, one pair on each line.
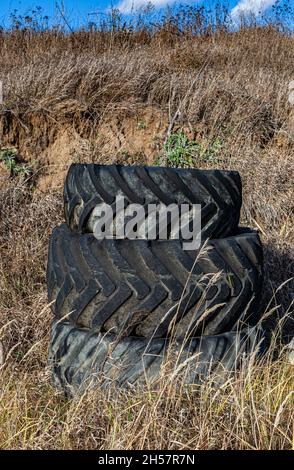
79, 358
219, 193
154, 288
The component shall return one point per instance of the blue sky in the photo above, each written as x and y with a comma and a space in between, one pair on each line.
77, 11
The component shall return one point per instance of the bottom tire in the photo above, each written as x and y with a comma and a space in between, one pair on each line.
79, 358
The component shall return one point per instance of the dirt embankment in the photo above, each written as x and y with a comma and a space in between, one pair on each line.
49, 150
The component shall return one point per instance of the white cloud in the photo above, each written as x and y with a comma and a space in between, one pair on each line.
251, 6
243, 7
127, 6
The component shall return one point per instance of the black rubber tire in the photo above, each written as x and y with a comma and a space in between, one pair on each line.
145, 288
218, 192
79, 358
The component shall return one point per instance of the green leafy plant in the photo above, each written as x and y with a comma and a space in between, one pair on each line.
9, 157
179, 151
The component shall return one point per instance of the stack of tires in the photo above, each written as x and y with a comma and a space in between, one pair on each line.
122, 307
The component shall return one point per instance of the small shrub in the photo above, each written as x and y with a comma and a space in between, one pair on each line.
179, 151
9, 157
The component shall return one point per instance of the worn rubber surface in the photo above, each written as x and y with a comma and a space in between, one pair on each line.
218, 192
148, 288
78, 357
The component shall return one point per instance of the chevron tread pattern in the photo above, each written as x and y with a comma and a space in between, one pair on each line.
78, 357
218, 192
153, 288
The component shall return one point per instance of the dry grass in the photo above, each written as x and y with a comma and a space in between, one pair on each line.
96, 88
251, 411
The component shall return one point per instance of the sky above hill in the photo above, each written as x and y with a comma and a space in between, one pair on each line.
80, 11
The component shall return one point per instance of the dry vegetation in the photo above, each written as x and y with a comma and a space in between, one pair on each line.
113, 96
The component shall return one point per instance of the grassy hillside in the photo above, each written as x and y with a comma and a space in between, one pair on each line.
177, 95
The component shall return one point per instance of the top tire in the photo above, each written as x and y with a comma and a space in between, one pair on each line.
218, 192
